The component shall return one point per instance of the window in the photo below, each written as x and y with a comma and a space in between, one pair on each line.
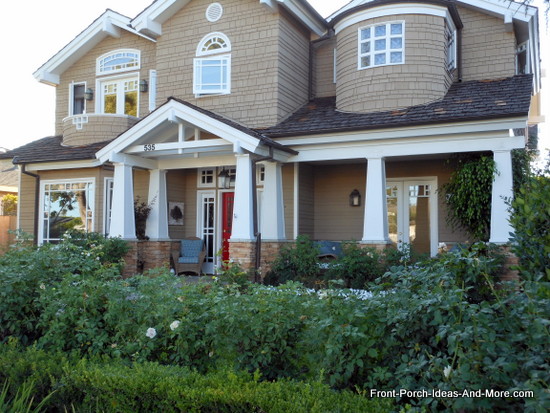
450, 35
66, 205
207, 178
212, 66
77, 104
119, 96
118, 61
522, 63
107, 208
382, 44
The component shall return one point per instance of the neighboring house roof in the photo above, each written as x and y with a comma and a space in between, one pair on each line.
9, 176
50, 149
466, 101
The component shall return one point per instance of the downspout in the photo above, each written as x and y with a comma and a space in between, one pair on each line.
36, 197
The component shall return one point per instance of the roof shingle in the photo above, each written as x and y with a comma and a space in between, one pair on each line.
466, 101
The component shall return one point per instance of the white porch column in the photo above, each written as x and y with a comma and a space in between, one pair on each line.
273, 210
502, 191
375, 223
157, 221
243, 217
123, 223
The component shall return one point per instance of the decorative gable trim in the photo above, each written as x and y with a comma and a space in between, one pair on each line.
108, 24
151, 19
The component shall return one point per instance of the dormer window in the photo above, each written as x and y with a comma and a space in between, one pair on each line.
212, 66
118, 61
381, 45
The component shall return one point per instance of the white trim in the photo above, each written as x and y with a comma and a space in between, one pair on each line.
210, 36
71, 98
43, 183
200, 184
107, 206
403, 203
371, 41
99, 60
392, 10
152, 90
176, 110
50, 72
51, 166
207, 267
296, 220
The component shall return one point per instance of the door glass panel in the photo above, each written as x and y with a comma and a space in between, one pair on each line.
130, 97
391, 196
419, 217
208, 226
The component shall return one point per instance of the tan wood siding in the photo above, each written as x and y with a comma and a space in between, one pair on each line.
288, 198
488, 51
306, 207
421, 79
324, 85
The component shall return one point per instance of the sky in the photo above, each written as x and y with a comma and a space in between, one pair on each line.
32, 32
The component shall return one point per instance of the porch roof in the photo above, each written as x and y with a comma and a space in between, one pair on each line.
465, 101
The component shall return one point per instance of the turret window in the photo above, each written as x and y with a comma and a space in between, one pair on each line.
381, 44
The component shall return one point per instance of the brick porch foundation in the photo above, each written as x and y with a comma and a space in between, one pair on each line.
146, 255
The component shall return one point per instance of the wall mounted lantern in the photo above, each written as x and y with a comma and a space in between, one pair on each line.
225, 178
143, 85
89, 94
355, 198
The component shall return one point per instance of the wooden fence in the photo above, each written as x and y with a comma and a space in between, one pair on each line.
7, 223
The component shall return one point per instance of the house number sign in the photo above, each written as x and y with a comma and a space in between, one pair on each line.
149, 147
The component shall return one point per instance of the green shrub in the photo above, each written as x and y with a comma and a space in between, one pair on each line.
296, 262
114, 386
356, 266
531, 222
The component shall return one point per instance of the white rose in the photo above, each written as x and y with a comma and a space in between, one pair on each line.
151, 332
175, 324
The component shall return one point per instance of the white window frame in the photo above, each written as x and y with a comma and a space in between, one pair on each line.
71, 98
523, 48
120, 79
387, 51
42, 211
125, 67
107, 204
213, 57
450, 47
203, 172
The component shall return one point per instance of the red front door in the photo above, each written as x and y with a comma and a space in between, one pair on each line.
227, 222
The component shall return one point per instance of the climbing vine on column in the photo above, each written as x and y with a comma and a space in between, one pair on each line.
468, 195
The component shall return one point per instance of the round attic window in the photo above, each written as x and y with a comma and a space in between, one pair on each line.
214, 12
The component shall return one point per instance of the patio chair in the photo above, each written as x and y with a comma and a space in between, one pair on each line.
190, 256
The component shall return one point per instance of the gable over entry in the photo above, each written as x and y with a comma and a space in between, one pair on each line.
178, 135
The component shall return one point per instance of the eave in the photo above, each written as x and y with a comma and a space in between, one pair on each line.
109, 24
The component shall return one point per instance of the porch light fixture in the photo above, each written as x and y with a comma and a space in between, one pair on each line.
143, 85
355, 198
89, 94
225, 179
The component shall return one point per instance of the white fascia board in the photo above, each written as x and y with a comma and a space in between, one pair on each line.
51, 166
359, 150
305, 16
108, 24
406, 132
393, 9
499, 8
151, 19
170, 112
134, 161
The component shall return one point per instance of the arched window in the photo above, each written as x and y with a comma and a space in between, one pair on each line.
118, 61
212, 66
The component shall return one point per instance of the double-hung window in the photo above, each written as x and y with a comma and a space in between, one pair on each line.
118, 94
212, 66
382, 44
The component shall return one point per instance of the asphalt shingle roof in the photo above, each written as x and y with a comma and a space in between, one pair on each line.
49, 149
465, 101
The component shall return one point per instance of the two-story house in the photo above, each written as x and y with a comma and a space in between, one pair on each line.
236, 119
